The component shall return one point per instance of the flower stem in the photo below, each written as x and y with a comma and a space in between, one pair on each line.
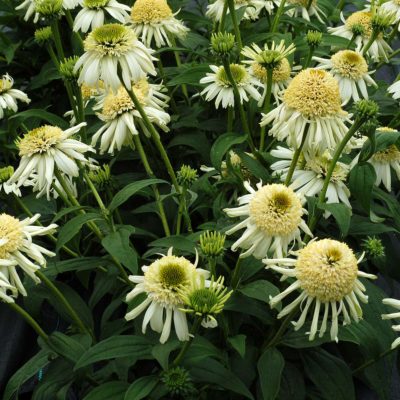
353, 38
394, 32
185, 347
71, 25
80, 108
236, 272
26, 210
267, 104
179, 64
221, 27
57, 293
212, 263
370, 41
57, 39
309, 57
296, 156
278, 14
149, 171
232, 13
93, 189
154, 134
230, 119
243, 117
32, 322
335, 158
373, 360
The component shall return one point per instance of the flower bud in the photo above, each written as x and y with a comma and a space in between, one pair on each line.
222, 42
43, 35
186, 175
212, 243
101, 177
314, 38
178, 382
67, 68
6, 173
366, 109
374, 247
48, 8
382, 19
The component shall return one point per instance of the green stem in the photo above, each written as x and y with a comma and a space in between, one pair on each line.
51, 237
341, 5
185, 347
57, 39
278, 15
223, 18
309, 57
212, 263
335, 158
232, 13
394, 32
267, 104
149, 171
370, 41
57, 293
243, 117
52, 55
71, 25
236, 272
230, 119
81, 109
154, 134
373, 360
296, 156
27, 317
179, 64
394, 54
353, 38
180, 214
94, 191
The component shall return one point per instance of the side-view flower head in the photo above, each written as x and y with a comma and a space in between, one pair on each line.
9, 96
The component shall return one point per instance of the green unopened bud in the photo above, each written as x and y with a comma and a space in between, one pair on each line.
205, 302
101, 177
374, 247
6, 173
222, 42
67, 68
212, 243
358, 29
48, 8
43, 35
186, 175
314, 38
366, 110
382, 19
178, 382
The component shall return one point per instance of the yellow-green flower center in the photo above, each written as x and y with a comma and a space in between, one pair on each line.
239, 75
6, 173
39, 140
349, 64
110, 40
360, 18
320, 165
172, 275
327, 270
280, 73
95, 3
5, 83
314, 93
276, 210
148, 11
11, 235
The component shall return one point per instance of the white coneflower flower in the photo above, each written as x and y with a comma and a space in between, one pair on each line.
109, 47
253, 8
396, 315
154, 20
9, 96
5, 175
392, 7
351, 71
273, 220
384, 161
308, 177
30, 6
326, 273
162, 281
304, 9
312, 99
93, 13
46, 148
394, 90
220, 88
17, 247
121, 117
360, 24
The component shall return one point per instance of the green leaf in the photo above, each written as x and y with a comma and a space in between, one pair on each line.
190, 75
361, 181
113, 390
116, 347
82, 264
211, 371
65, 211
29, 369
330, 375
341, 213
129, 190
261, 290
254, 166
238, 342
141, 388
382, 141
118, 245
161, 352
222, 145
177, 242
270, 366
73, 226
67, 346
41, 115
364, 227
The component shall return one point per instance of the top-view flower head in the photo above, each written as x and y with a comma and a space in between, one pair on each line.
110, 47
153, 20
311, 103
